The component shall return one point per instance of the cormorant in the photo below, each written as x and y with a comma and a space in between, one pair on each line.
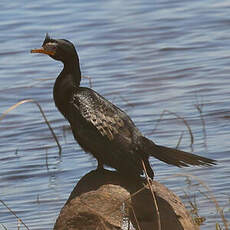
100, 127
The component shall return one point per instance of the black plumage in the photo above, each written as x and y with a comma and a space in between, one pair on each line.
100, 127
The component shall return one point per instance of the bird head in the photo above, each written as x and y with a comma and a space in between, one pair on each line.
59, 49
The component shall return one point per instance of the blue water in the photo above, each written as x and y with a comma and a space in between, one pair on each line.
144, 56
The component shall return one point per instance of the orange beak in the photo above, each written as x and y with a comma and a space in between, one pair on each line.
43, 51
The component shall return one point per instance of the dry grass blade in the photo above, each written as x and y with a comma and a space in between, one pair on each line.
48, 124
153, 195
19, 219
209, 195
43, 115
13, 107
179, 118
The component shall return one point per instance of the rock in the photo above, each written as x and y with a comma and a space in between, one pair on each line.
104, 200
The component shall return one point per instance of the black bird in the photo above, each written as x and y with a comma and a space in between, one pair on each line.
100, 127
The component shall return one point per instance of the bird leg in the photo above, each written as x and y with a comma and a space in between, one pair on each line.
100, 165
147, 168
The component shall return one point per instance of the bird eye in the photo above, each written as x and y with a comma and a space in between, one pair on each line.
50, 47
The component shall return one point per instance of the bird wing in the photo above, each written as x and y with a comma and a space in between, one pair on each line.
110, 121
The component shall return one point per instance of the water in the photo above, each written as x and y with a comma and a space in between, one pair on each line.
145, 57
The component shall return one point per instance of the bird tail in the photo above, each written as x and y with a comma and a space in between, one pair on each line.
174, 156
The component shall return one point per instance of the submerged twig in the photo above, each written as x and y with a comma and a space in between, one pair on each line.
47, 163
43, 115
12, 212
199, 107
179, 141
179, 118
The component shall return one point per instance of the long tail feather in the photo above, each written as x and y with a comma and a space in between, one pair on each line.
174, 156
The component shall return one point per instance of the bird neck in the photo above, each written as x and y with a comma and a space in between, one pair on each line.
72, 68
66, 83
